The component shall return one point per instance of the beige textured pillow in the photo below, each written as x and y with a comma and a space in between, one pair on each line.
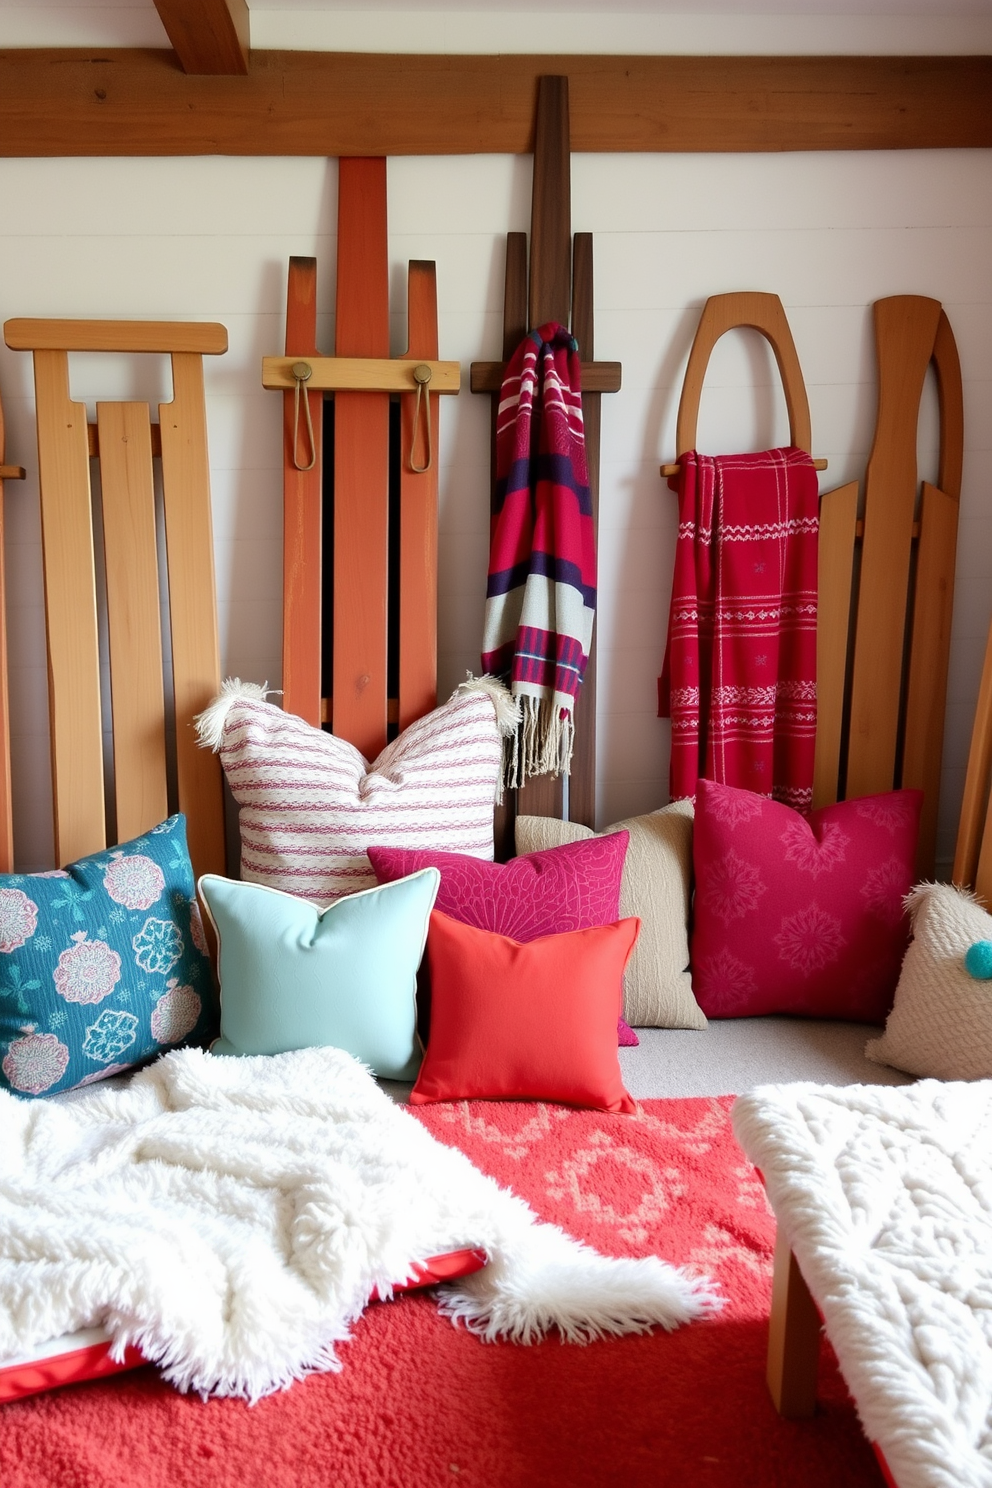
941, 1022
657, 990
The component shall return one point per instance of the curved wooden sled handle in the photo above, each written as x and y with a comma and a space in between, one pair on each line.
760, 312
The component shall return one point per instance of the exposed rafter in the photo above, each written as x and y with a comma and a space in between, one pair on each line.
138, 102
210, 36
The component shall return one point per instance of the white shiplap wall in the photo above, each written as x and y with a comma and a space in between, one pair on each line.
210, 238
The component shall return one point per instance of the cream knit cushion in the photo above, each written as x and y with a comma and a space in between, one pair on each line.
657, 990
941, 1022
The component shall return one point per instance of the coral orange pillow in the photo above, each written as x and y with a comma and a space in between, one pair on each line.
533, 1021
798, 914
571, 887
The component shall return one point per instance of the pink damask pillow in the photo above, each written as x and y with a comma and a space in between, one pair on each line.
798, 914
575, 887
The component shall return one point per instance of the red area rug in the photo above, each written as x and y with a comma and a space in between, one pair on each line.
420, 1404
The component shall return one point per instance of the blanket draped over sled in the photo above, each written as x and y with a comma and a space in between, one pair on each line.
232, 1217
541, 593
739, 680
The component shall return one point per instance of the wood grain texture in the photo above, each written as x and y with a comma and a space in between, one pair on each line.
793, 1338
514, 330
905, 328
6, 796
192, 606
838, 529
139, 102
210, 36
930, 649
418, 514
302, 511
361, 463
582, 780
550, 290
761, 312
206, 338
950, 398
70, 601
133, 619
362, 374
597, 377
973, 850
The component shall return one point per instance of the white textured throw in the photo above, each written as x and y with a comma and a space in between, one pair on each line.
232, 1217
885, 1195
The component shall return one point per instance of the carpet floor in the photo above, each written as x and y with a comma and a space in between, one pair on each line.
420, 1404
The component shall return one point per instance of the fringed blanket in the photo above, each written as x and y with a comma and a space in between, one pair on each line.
541, 595
739, 681
232, 1217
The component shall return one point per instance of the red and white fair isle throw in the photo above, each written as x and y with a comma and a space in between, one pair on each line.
311, 804
739, 681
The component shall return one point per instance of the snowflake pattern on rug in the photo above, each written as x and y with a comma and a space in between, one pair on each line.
733, 888
18, 919
135, 882
810, 940
88, 976
88, 971
812, 856
112, 1033
158, 945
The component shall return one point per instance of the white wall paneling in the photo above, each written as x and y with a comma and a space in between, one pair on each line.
210, 238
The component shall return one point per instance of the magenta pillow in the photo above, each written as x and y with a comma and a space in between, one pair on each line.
797, 914
575, 887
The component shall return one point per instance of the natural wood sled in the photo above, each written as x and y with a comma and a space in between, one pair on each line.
886, 565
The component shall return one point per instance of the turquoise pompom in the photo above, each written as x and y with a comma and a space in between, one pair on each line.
978, 960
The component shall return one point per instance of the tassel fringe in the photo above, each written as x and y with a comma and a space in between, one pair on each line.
542, 745
210, 723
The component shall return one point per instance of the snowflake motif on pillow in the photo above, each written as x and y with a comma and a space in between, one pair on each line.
735, 808
136, 882
733, 888
732, 978
158, 945
810, 856
883, 891
88, 971
35, 1063
176, 1013
893, 812
112, 1033
810, 940
18, 919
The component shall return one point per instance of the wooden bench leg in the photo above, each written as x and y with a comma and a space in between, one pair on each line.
793, 1337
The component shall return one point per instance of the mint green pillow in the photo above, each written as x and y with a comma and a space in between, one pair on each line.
293, 976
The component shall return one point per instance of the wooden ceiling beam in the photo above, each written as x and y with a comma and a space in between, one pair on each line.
139, 102
210, 36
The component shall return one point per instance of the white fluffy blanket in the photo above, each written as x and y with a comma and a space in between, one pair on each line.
232, 1217
885, 1195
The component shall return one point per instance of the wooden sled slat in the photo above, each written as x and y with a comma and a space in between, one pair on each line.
133, 619
838, 529
361, 463
930, 648
70, 601
7, 472
192, 606
302, 510
905, 328
418, 513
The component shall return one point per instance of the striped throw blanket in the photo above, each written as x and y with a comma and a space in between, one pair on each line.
739, 681
541, 595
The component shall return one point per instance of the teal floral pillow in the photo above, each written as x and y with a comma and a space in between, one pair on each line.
102, 964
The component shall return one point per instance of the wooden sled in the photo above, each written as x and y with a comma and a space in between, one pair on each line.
886, 564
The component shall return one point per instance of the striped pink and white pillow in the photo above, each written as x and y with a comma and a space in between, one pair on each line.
311, 805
